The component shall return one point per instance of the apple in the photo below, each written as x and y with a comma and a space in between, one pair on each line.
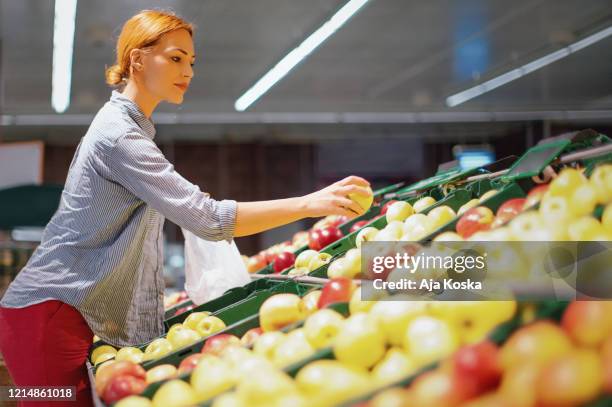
393, 317
448, 237
487, 195
539, 343
300, 239
122, 386
440, 216
319, 260
283, 261
266, 389
194, 319
134, 401
606, 360
571, 380
606, 218
129, 353
320, 238
440, 388
216, 344
161, 372
393, 397
336, 290
321, 328
281, 310
584, 200
250, 336
211, 377
175, 393
423, 203
160, 347
429, 339
535, 195
480, 362
517, 385
399, 211
601, 180
566, 182
392, 232
385, 207
329, 382
359, 343
106, 357
116, 369
310, 301
555, 209
395, 366
189, 363
365, 235
348, 266
509, 210
472, 203
474, 220
588, 323
266, 344
181, 338
304, 258
358, 225
256, 263
100, 350
585, 228
365, 201
293, 348
357, 305
210, 325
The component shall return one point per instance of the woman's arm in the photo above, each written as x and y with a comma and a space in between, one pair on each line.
255, 217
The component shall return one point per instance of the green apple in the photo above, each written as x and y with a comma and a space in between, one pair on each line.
399, 211
194, 319
365, 235
211, 377
429, 339
161, 372
423, 203
209, 325
303, 259
281, 310
176, 393
360, 343
322, 327
183, 337
266, 344
365, 201
129, 353
158, 348
293, 348
441, 215
393, 318
395, 365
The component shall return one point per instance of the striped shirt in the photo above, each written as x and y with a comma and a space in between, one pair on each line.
102, 250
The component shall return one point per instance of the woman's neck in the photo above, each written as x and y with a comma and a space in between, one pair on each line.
145, 102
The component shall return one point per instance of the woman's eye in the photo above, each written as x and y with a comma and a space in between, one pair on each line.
176, 59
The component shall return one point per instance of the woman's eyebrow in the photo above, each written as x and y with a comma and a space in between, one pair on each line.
182, 50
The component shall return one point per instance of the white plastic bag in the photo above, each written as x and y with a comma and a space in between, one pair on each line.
211, 268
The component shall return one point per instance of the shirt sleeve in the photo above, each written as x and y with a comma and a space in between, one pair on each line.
139, 165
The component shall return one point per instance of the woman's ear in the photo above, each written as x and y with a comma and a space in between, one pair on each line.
136, 59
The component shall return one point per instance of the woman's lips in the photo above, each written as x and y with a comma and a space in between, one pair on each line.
182, 87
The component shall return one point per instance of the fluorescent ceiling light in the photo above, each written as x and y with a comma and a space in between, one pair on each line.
63, 41
523, 70
289, 61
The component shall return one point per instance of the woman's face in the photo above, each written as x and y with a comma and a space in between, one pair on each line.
167, 69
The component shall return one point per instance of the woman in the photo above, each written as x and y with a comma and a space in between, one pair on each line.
99, 265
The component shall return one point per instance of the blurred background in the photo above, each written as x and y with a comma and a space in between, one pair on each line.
397, 89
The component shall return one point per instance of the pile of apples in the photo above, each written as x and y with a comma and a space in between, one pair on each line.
196, 326
541, 364
565, 212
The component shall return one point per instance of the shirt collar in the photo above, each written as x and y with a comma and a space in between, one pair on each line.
134, 112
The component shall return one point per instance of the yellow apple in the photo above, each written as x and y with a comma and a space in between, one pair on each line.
319, 260
310, 301
194, 318
281, 310
487, 195
357, 305
183, 337
440, 216
448, 237
104, 357
395, 365
266, 388
585, 228
399, 211
359, 343
129, 353
601, 180
303, 259
365, 201
161, 372
266, 344
606, 218
100, 350
429, 339
472, 203
423, 203
322, 327
584, 200
209, 325
393, 318
329, 382
293, 348
134, 401
211, 377
366, 234
176, 393
158, 348
566, 182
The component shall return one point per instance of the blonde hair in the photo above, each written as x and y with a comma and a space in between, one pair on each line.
141, 31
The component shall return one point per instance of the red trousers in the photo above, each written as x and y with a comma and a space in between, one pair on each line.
47, 344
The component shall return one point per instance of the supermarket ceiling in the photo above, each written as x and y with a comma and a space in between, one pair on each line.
393, 56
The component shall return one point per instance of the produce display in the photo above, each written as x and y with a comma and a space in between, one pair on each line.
292, 343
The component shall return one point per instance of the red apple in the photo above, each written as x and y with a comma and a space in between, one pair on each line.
535, 195
383, 210
283, 261
474, 220
479, 362
122, 386
121, 368
320, 238
183, 310
588, 323
256, 263
216, 344
189, 363
509, 210
336, 290
358, 225
250, 336
182, 297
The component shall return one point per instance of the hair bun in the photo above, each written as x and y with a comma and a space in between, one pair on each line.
114, 75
